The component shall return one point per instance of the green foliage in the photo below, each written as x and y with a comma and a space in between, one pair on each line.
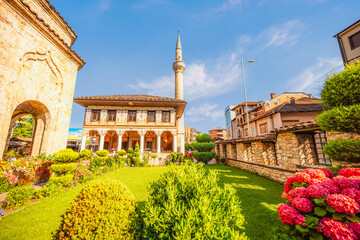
282, 234
10, 154
86, 154
61, 169
64, 181
187, 203
174, 158
122, 152
203, 146
154, 155
4, 185
341, 119
343, 88
18, 196
136, 147
66, 156
102, 153
120, 160
24, 127
50, 189
203, 138
204, 156
348, 150
130, 150
188, 146
136, 161
102, 210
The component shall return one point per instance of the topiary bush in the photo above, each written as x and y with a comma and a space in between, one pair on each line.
342, 91
343, 88
86, 154
203, 138
61, 169
186, 202
348, 151
122, 152
64, 181
203, 148
102, 210
102, 153
341, 119
66, 156
50, 189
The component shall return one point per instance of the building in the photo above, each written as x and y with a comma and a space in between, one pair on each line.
38, 71
286, 109
349, 43
74, 139
120, 121
240, 117
218, 133
190, 134
229, 117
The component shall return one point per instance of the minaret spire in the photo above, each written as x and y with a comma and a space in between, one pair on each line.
178, 43
179, 68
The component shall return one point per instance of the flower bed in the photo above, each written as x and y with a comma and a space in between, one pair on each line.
321, 205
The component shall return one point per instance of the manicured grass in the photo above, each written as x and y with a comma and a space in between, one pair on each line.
259, 197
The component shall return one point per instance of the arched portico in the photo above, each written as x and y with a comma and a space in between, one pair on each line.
41, 116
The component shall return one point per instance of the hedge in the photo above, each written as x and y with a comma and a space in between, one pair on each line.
102, 210
342, 89
341, 119
348, 150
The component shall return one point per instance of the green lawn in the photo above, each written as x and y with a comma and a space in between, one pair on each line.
259, 197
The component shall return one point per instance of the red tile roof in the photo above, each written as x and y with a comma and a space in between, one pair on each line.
298, 126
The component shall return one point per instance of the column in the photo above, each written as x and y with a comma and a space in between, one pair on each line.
158, 143
102, 138
83, 142
91, 141
142, 143
175, 143
119, 142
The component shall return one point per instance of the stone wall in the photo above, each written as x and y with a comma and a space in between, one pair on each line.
277, 159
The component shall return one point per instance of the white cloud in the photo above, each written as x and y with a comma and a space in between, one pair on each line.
200, 80
204, 112
104, 5
229, 5
311, 79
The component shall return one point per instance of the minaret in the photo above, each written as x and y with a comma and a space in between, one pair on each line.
179, 68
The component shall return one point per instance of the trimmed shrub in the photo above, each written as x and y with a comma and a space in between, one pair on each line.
136, 161
50, 189
154, 155
348, 150
203, 138
86, 154
64, 181
342, 89
102, 210
130, 150
66, 156
341, 119
204, 156
188, 146
102, 153
122, 152
186, 202
18, 196
61, 169
204, 146
120, 160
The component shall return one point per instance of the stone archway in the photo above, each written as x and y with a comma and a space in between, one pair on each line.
150, 141
167, 142
41, 116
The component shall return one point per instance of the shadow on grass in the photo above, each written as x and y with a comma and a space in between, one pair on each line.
259, 198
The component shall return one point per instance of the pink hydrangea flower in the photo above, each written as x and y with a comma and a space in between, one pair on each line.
348, 172
331, 186
300, 220
299, 192
327, 172
353, 193
336, 230
287, 214
355, 227
303, 204
344, 182
317, 191
316, 173
342, 203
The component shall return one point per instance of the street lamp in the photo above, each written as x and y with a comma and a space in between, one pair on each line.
246, 105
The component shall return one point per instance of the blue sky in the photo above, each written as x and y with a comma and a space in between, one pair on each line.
129, 47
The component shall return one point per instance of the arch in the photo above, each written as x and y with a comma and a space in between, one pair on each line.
150, 141
129, 139
167, 142
41, 131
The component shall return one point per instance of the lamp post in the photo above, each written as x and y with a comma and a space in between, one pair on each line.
246, 105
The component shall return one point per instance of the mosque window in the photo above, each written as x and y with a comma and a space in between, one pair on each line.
132, 116
166, 116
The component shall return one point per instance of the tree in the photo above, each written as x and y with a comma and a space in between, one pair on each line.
342, 92
24, 127
204, 148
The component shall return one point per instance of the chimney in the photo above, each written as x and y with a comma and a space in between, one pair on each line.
272, 95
